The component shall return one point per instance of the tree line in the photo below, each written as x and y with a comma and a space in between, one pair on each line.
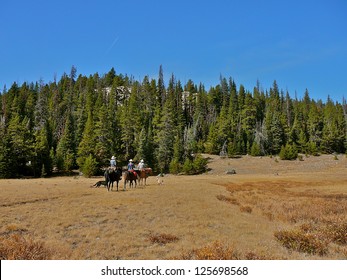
79, 122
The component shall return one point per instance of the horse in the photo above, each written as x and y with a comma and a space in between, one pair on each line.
130, 176
112, 175
143, 174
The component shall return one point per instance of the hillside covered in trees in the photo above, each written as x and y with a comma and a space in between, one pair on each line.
80, 122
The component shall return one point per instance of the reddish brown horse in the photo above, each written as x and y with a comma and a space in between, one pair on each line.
143, 174
131, 177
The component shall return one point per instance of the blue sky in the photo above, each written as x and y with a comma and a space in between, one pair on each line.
300, 44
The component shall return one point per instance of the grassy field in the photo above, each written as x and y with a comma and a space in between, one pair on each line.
269, 209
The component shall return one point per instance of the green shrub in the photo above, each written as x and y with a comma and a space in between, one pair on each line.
175, 167
199, 164
288, 152
312, 148
188, 167
255, 150
90, 166
195, 166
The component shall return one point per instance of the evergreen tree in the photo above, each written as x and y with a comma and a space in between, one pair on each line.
315, 124
87, 145
248, 117
7, 165
165, 137
277, 134
66, 149
332, 134
21, 145
131, 123
43, 161
103, 137
161, 93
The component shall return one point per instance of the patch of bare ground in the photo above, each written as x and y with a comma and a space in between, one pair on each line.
269, 209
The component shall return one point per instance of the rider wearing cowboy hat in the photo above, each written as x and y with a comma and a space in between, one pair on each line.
113, 162
141, 165
131, 165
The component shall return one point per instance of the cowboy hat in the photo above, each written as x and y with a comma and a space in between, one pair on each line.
113, 157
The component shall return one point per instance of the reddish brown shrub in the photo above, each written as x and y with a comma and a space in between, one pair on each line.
302, 242
214, 251
17, 247
337, 233
162, 238
247, 209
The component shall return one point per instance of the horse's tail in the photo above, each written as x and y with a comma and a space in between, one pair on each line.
106, 176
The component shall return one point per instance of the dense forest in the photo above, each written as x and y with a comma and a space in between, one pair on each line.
79, 122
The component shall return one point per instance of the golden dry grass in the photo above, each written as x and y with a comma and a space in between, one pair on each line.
213, 215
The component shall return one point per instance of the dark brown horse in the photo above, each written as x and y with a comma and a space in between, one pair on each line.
143, 174
112, 175
131, 177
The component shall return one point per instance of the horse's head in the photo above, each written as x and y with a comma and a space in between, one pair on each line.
148, 170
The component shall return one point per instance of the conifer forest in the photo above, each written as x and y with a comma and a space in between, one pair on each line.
79, 122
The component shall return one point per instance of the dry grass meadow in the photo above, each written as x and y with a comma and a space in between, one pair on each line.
269, 209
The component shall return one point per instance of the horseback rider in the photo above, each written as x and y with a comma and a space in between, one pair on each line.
113, 162
131, 167
141, 165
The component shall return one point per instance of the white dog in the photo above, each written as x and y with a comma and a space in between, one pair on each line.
160, 179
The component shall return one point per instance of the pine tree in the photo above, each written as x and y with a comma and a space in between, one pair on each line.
161, 92
315, 124
103, 137
142, 146
43, 162
165, 137
332, 134
66, 149
131, 122
212, 145
233, 115
87, 145
276, 133
42, 133
248, 118
8, 166
20, 144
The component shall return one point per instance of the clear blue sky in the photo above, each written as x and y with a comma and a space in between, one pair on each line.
300, 44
